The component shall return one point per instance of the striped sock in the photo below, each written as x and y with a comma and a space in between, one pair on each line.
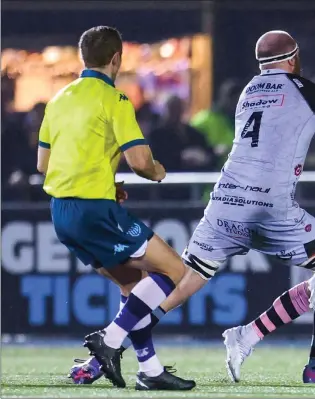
156, 316
289, 306
146, 296
141, 338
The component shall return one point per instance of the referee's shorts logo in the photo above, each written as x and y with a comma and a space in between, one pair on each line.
134, 231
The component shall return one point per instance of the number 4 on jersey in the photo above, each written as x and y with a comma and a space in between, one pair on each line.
253, 123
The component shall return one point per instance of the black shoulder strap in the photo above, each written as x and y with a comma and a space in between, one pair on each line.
305, 87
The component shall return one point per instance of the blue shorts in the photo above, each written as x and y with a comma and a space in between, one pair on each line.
98, 231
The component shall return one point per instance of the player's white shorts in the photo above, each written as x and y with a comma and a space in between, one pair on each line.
292, 242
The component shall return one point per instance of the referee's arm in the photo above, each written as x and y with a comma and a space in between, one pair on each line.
43, 153
132, 143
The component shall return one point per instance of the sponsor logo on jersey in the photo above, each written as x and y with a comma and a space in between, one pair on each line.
240, 201
263, 101
235, 228
308, 228
298, 169
284, 255
247, 188
265, 86
298, 83
203, 246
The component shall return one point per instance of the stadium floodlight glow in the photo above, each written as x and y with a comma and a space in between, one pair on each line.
167, 50
52, 54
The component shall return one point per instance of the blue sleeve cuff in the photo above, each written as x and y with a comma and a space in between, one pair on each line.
132, 143
44, 145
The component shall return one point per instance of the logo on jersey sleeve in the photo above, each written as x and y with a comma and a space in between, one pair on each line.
123, 97
263, 101
298, 169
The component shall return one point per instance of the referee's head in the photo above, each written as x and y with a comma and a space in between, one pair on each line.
278, 49
101, 49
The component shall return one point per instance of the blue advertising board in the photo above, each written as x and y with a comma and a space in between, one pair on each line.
46, 291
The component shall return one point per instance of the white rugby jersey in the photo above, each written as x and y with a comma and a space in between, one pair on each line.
274, 124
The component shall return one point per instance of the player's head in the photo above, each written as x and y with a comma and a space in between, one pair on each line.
278, 49
101, 48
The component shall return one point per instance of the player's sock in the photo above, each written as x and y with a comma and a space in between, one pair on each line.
312, 351
156, 316
146, 296
126, 342
289, 306
141, 338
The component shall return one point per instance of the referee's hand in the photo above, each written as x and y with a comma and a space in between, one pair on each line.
121, 194
160, 172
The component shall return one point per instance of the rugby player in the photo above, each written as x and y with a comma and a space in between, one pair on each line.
252, 205
86, 127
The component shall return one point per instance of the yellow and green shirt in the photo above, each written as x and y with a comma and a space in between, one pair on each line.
86, 127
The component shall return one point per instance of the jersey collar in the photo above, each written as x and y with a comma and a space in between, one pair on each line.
272, 71
90, 73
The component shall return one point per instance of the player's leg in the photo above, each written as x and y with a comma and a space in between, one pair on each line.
88, 371
282, 238
240, 341
143, 299
152, 375
309, 369
85, 372
206, 252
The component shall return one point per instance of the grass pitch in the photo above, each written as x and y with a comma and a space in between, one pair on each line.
271, 372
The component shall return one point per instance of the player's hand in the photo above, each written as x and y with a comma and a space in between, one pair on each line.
160, 172
121, 194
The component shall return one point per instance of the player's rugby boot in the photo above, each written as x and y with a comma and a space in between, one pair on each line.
237, 350
166, 381
85, 371
309, 374
108, 357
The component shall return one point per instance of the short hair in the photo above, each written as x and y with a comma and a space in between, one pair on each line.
98, 45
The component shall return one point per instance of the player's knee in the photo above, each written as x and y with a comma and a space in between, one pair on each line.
204, 267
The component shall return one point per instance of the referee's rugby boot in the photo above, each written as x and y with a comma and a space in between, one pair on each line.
108, 357
85, 371
166, 381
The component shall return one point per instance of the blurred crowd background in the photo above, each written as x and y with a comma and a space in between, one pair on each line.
184, 66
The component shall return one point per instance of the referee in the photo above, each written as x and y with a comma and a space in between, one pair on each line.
87, 125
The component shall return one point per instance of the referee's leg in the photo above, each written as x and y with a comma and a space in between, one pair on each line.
160, 258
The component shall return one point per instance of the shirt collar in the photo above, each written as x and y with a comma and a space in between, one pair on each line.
90, 73
272, 71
